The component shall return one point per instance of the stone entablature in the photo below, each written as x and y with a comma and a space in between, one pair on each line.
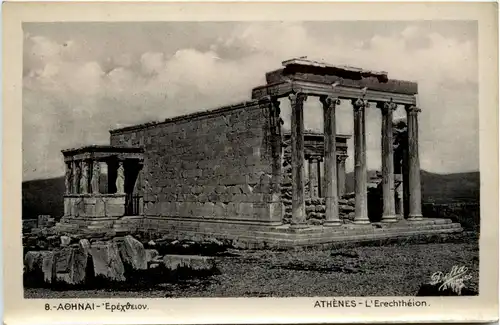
103, 152
305, 70
310, 78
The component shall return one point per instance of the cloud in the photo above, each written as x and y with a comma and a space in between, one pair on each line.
72, 93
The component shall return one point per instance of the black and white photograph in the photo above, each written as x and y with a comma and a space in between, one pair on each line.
251, 159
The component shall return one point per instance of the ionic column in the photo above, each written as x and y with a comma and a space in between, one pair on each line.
400, 201
321, 185
361, 209
414, 186
276, 144
389, 208
68, 178
76, 176
406, 177
313, 177
341, 175
330, 163
297, 142
398, 179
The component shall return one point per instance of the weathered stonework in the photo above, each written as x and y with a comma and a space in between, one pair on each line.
231, 173
214, 166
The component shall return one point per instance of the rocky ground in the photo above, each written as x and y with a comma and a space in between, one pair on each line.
393, 269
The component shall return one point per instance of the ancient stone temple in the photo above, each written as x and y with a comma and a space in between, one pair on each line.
234, 173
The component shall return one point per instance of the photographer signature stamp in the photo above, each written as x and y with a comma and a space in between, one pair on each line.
453, 280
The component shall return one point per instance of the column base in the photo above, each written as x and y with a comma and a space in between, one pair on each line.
415, 217
361, 221
390, 218
332, 223
298, 226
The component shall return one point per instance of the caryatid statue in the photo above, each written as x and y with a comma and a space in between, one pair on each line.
120, 179
76, 178
84, 180
68, 178
96, 170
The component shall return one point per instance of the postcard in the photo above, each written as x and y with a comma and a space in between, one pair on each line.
239, 162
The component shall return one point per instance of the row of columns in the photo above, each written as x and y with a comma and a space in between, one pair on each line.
82, 177
315, 181
360, 167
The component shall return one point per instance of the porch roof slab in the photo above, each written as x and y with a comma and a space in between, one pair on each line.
103, 152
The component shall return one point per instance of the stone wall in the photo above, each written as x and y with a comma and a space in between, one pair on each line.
94, 206
215, 166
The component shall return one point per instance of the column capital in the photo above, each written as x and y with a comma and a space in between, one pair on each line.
268, 99
297, 97
359, 103
314, 157
341, 158
265, 99
412, 109
387, 107
275, 101
329, 100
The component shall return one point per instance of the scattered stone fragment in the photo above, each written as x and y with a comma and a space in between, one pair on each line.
132, 253
48, 267
33, 261
151, 254
154, 265
65, 240
107, 261
43, 220
193, 262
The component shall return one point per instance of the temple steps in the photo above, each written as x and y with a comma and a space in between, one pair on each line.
322, 240
361, 231
259, 240
284, 237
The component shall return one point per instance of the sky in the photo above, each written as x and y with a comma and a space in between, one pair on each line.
82, 79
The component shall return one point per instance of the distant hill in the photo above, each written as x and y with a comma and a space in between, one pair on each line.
45, 196
440, 188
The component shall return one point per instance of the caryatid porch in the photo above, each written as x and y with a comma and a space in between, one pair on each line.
92, 193
300, 79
